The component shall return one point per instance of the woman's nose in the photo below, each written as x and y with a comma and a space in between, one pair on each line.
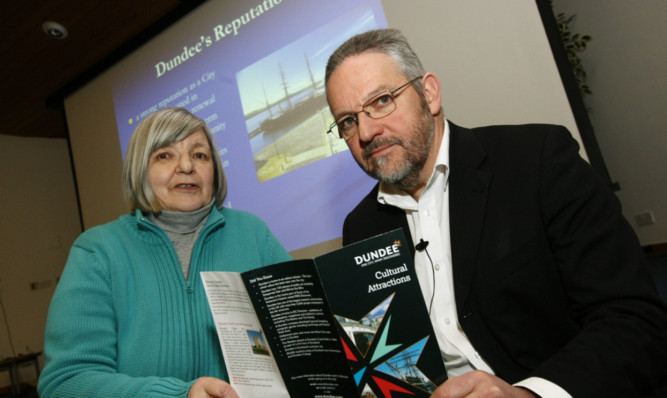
185, 165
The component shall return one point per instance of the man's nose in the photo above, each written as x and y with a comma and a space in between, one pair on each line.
368, 127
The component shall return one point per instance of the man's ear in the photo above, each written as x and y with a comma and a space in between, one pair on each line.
431, 87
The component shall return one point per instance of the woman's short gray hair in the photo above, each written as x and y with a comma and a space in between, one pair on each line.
386, 41
156, 131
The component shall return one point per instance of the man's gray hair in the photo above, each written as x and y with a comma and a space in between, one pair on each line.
386, 41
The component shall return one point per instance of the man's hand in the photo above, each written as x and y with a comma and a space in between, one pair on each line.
210, 387
479, 384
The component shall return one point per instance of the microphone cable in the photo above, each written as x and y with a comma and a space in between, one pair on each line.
421, 246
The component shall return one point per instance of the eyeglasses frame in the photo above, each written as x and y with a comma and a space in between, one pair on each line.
355, 115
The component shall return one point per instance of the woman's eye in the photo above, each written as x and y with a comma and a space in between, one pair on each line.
162, 155
201, 156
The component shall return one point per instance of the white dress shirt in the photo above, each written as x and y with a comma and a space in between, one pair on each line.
428, 219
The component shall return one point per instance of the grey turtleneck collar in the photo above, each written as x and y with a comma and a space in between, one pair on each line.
183, 229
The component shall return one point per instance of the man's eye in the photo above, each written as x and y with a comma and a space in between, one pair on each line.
347, 122
382, 100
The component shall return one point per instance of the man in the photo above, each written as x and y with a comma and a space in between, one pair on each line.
534, 281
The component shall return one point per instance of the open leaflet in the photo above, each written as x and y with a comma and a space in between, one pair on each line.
349, 323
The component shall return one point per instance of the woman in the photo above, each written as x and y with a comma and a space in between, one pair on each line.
130, 317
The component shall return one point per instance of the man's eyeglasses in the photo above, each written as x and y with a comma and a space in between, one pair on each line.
377, 107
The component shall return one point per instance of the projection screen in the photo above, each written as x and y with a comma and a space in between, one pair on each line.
254, 71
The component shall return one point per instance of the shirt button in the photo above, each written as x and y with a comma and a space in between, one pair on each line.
447, 321
189, 290
437, 267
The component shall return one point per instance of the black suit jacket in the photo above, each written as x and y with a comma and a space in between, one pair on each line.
549, 278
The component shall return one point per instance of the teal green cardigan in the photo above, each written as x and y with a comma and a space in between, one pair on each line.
124, 322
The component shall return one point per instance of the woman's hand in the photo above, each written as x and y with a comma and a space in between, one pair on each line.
479, 384
210, 387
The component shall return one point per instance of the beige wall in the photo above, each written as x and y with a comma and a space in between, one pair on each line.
39, 221
626, 62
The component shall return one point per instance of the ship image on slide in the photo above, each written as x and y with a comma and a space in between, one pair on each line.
287, 127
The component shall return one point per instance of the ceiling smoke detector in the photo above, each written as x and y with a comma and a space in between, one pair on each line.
54, 30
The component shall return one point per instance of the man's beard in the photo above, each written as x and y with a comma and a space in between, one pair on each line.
403, 172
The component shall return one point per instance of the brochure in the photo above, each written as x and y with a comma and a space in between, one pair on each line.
351, 322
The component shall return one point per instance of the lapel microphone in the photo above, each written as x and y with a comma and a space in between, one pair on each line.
423, 244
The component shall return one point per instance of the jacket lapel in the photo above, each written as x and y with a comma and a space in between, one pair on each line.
467, 203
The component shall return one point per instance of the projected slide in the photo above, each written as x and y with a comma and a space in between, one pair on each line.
254, 70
